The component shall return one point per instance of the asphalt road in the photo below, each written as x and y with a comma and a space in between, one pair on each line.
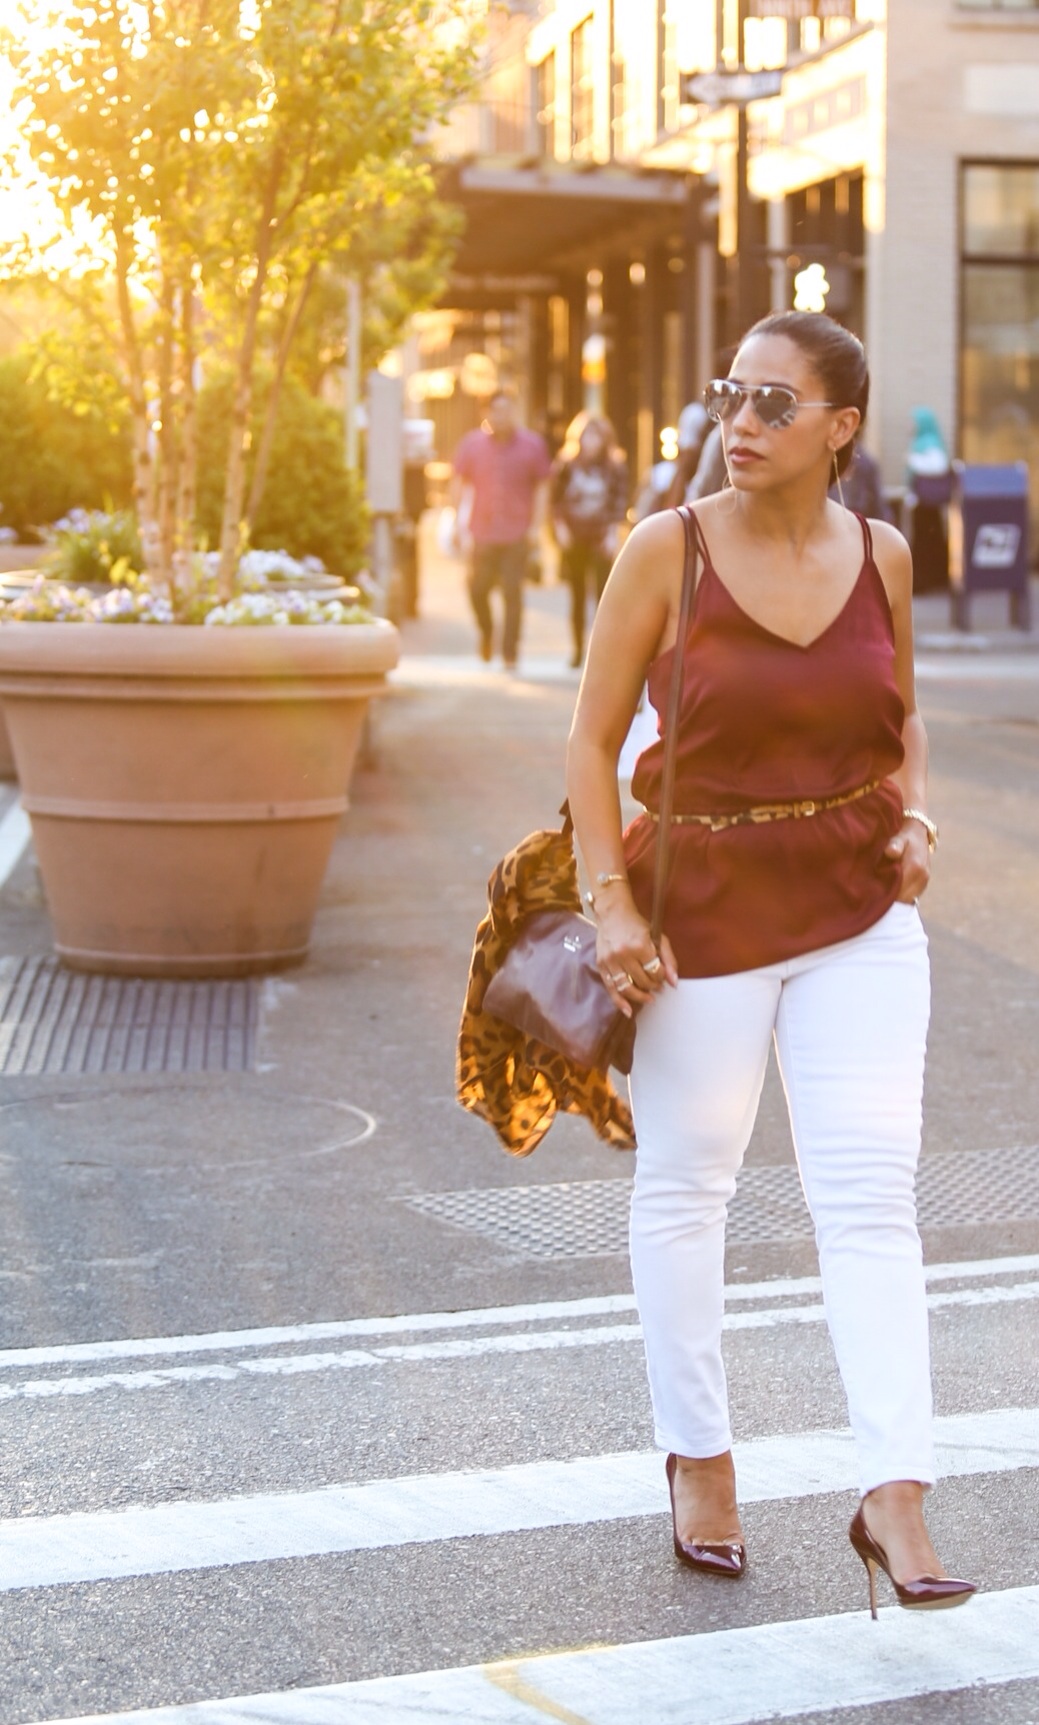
309, 1394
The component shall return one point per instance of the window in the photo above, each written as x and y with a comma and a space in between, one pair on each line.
582, 90
999, 370
810, 24
1001, 209
545, 105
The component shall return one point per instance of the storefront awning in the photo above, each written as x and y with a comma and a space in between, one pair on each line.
530, 223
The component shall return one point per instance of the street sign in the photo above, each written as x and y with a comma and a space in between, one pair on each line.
796, 9
714, 89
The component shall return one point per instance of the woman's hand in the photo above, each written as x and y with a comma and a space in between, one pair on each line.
633, 969
911, 848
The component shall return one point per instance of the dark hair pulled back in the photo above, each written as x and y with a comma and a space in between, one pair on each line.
837, 356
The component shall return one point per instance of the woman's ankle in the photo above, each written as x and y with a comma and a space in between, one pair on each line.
707, 1467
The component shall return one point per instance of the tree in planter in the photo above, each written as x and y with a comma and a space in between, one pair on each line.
74, 445
400, 260
311, 505
225, 150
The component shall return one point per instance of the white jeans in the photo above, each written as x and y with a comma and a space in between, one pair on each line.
850, 1027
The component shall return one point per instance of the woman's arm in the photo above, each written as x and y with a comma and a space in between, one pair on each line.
911, 844
634, 623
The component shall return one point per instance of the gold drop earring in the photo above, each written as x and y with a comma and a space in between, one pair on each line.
837, 481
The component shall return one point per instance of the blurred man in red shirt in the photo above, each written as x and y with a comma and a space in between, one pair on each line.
503, 468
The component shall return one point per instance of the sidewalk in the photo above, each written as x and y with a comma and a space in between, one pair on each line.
989, 632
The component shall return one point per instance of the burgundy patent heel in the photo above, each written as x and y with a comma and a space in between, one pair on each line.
926, 1593
725, 1557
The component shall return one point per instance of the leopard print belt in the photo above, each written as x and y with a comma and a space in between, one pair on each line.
798, 811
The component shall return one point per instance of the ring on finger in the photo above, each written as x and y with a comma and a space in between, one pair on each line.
621, 980
652, 966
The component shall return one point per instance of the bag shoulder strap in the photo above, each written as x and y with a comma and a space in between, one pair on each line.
674, 703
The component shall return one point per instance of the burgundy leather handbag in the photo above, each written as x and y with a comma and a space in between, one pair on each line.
549, 984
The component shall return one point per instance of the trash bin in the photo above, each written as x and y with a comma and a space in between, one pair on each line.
988, 538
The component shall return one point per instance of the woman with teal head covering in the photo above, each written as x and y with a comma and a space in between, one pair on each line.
926, 440
929, 478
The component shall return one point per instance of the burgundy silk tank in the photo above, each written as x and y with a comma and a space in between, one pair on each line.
764, 720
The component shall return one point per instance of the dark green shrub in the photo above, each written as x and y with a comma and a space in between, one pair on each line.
53, 459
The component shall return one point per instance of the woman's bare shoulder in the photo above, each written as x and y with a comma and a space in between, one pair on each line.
887, 539
657, 533
653, 550
890, 547
894, 560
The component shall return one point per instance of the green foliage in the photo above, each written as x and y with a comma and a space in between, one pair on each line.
226, 155
52, 456
95, 546
312, 507
402, 262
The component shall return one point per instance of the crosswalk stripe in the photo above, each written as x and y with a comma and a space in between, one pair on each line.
547, 1311
51, 1551
458, 1348
15, 834
743, 1676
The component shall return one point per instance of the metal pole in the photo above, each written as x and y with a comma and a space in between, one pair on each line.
744, 278
353, 369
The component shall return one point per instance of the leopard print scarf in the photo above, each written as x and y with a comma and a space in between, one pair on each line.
510, 1080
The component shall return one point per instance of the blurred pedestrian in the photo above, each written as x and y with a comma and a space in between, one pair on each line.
929, 479
588, 499
497, 488
861, 487
654, 492
418, 453
712, 473
801, 843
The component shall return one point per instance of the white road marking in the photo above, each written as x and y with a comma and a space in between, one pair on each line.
292, 1365
52, 1551
15, 833
226, 1341
464, 670
981, 661
729, 1676
954, 667
459, 1348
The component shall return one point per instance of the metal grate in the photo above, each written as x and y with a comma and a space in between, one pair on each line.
589, 1218
55, 1020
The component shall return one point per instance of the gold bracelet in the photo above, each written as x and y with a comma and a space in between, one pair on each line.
602, 880
930, 827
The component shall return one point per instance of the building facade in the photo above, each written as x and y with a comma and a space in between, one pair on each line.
628, 215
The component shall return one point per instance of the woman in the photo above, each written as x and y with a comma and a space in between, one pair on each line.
588, 499
799, 850
929, 481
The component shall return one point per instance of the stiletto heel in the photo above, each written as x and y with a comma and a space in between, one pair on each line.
871, 1571
726, 1557
926, 1593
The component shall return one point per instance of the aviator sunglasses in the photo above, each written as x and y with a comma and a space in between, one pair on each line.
775, 405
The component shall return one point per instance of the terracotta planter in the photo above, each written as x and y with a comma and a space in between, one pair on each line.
185, 784
7, 770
